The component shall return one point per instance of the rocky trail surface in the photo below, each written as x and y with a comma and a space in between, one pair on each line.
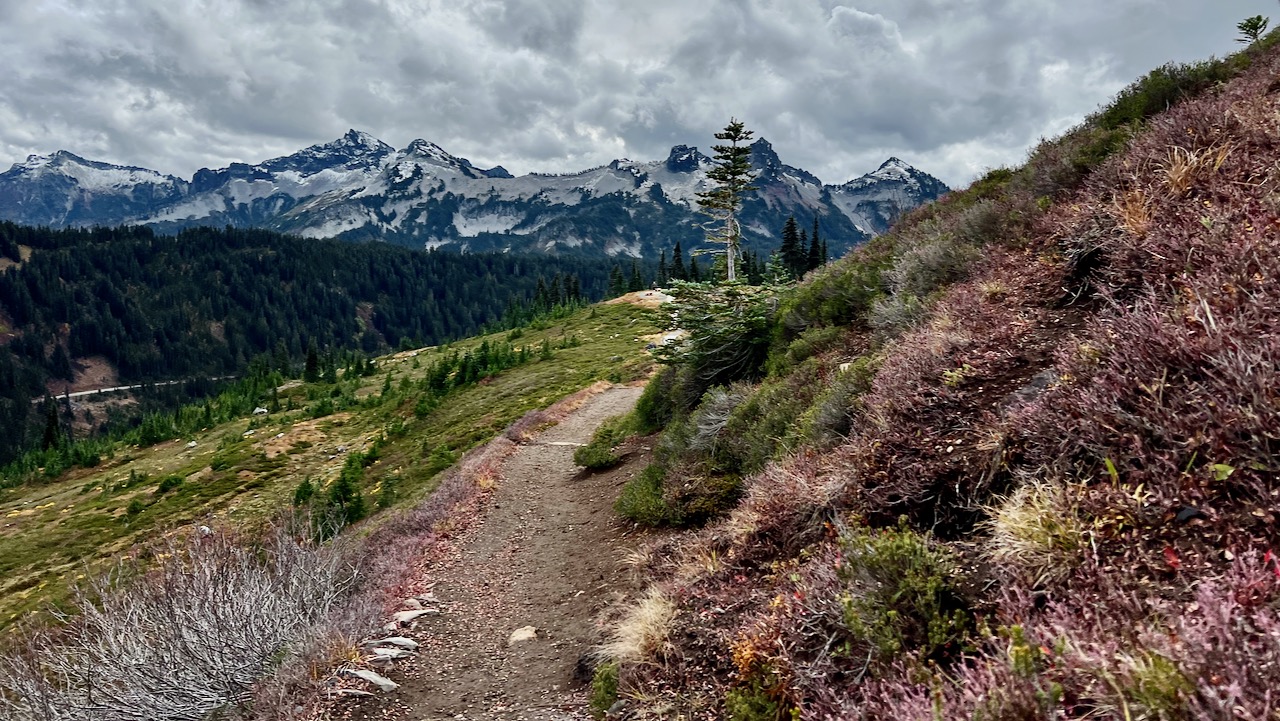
545, 556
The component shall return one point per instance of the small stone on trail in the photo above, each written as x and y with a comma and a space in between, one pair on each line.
527, 633
352, 692
411, 616
392, 654
382, 682
399, 641
412, 604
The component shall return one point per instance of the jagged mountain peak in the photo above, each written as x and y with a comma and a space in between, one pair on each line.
763, 156
353, 150
896, 170
684, 159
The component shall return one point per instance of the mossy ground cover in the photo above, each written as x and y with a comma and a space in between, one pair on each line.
246, 471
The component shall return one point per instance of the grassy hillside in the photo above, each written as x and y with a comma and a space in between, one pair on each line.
1015, 459
246, 472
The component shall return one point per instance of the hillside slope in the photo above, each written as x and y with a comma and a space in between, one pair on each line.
1015, 459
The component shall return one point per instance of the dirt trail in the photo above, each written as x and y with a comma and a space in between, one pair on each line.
546, 555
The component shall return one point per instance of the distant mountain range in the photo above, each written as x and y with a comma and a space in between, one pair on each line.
359, 188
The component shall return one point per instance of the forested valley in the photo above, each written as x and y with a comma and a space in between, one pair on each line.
207, 302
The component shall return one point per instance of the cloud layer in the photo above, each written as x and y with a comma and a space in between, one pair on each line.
952, 86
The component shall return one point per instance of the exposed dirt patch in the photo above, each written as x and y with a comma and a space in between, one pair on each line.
91, 372
546, 555
642, 298
24, 252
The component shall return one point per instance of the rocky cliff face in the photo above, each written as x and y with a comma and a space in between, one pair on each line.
360, 188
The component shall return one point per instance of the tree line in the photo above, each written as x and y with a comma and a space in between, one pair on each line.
207, 301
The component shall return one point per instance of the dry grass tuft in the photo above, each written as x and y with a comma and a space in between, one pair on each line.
1133, 209
1038, 532
640, 636
1183, 168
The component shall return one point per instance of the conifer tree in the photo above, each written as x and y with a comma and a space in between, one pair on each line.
678, 271
636, 282
790, 248
695, 274
311, 369
815, 247
52, 437
732, 175
662, 268
617, 283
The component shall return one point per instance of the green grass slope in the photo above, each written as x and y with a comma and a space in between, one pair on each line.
1015, 459
244, 473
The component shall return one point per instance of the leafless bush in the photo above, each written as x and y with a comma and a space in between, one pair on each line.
178, 640
894, 315
713, 415
928, 265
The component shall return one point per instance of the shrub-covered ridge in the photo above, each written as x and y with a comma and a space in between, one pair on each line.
1015, 459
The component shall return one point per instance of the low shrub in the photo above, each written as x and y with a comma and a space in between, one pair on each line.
598, 454
768, 422
830, 419
811, 342
641, 500
669, 394
753, 702
168, 483
902, 595
604, 688
184, 639
940, 259
839, 293
712, 415
891, 316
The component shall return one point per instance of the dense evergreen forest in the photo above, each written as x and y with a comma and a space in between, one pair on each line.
207, 301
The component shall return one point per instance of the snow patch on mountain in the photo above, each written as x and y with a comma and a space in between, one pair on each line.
471, 225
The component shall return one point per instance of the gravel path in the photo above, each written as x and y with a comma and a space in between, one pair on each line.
546, 555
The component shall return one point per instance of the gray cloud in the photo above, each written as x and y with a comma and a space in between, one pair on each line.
953, 87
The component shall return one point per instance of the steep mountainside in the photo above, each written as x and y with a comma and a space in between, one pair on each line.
360, 188
1014, 459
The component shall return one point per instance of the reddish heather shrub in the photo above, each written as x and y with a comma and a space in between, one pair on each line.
790, 504
1110, 654
528, 425
921, 445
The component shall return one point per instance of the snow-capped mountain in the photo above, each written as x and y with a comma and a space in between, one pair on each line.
63, 189
360, 188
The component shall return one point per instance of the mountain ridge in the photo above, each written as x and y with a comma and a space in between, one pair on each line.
358, 187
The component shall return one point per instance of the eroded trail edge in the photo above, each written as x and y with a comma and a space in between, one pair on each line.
545, 556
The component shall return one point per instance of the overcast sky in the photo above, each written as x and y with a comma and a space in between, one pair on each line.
951, 86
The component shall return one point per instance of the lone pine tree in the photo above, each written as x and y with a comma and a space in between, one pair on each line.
732, 177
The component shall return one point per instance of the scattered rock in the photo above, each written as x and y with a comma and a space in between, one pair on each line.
526, 633
390, 654
350, 692
382, 682
618, 708
411, 604
397, 641
403, 617
1038, 384
191, 444
1188, 513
